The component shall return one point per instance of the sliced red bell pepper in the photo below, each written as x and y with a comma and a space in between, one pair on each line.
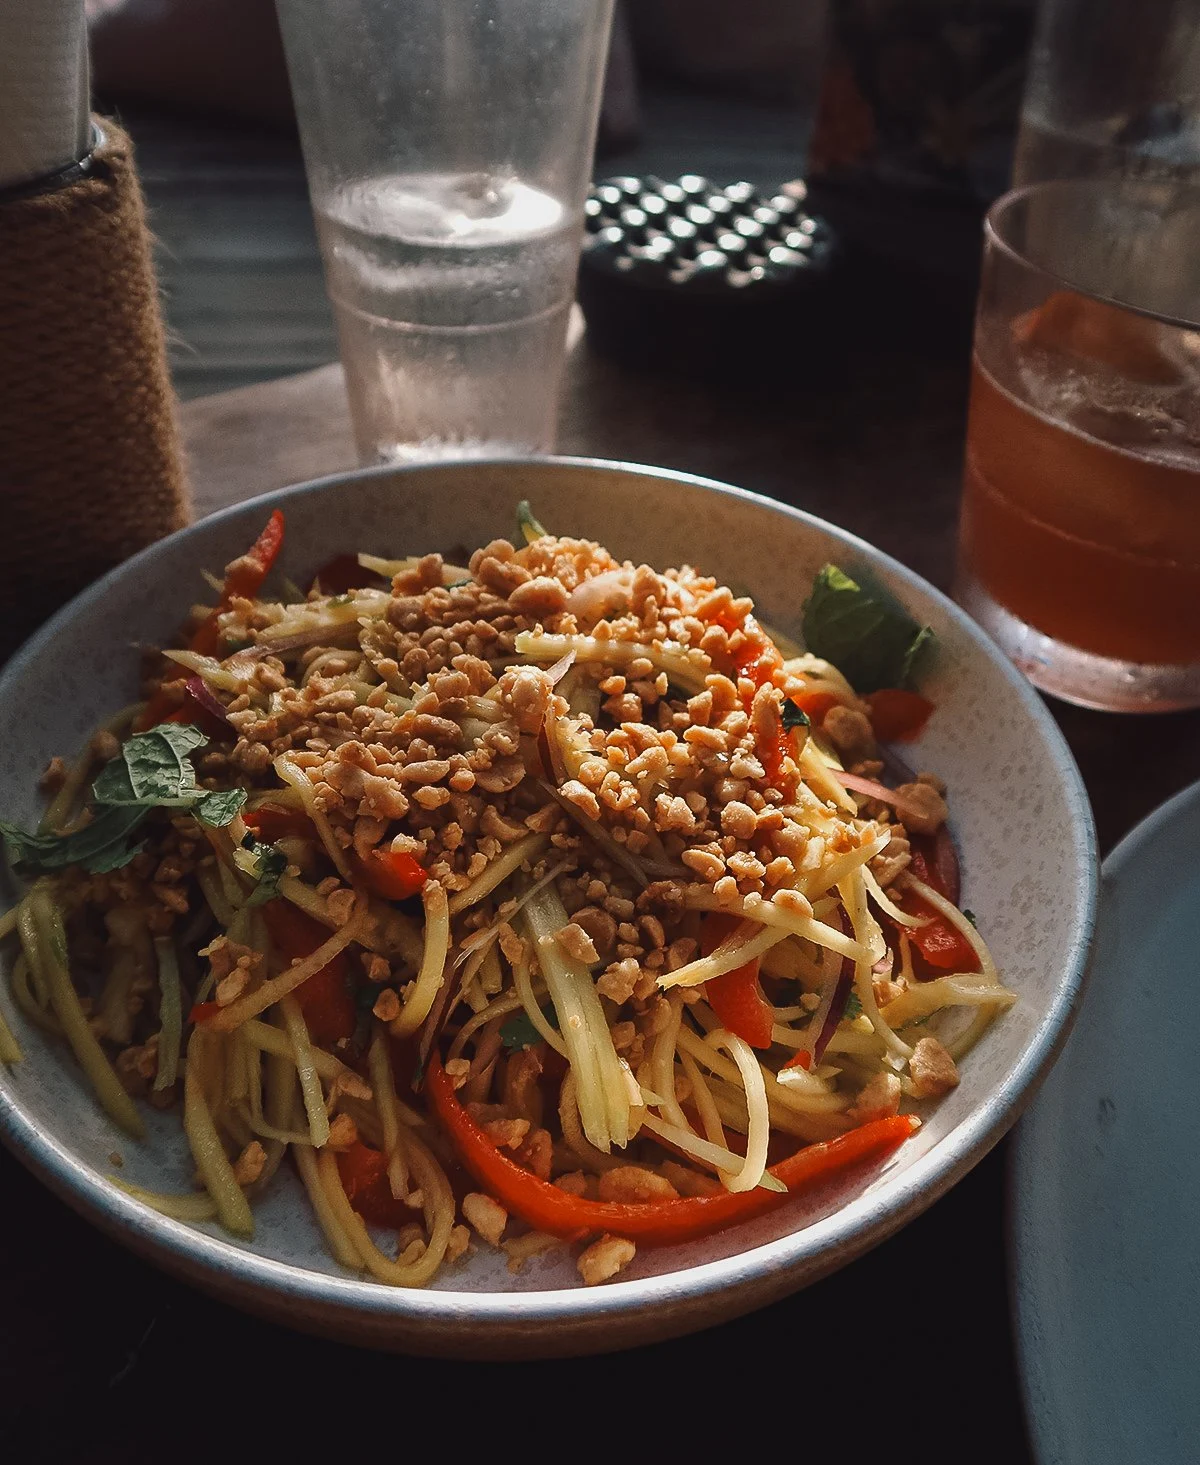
202, 1011
392, 874
935, 863
271, 823
815, 705
736, 997
897, 715
654, 1223
324, 998
364, 1177
244, 578
940, 943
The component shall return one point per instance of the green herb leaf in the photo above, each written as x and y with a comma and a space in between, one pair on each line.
153, 768
270, 863
853, 1008
794, 716
528, 527
874, 644
98, 847
519, 1031
970, 915
152, 771
220, 807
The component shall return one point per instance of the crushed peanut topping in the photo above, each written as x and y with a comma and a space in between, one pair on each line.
530, 807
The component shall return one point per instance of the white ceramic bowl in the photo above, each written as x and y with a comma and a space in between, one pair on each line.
1019, 813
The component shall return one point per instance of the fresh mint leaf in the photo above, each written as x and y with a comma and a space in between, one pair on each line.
794, 716
100, 846
270, 863
528, 528
152, 771
519, 1031
873, 643
220, 807
153, 768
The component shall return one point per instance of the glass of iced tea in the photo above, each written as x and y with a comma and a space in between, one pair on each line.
1079, 547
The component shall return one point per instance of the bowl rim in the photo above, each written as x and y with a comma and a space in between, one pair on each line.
856, 1227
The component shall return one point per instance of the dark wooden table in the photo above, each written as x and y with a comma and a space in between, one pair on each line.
906, 1353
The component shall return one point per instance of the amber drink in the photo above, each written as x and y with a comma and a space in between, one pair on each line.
1080, 535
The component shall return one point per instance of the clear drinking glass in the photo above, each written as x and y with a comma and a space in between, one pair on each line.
1079, 545
1111, 91
448, 145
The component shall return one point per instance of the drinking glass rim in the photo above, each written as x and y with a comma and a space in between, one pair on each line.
1098, 186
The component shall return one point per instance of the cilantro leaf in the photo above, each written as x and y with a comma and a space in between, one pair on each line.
99, 846
872, 642
853, 1007
270, 863
794, 716
519, 1031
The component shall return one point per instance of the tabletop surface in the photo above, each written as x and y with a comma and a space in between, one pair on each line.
908, 1350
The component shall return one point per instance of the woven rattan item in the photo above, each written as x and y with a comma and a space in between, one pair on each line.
90, 464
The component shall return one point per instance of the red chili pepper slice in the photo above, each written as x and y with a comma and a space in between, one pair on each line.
364, 1177
940, 943
897, 715
324, 998
655, 1223
243, 578
271, 823
392, 874
736, 997
815, 705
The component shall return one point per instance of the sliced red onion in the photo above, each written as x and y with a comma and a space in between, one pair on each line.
320, 636
896, 768
561, 667
837, 1006
436, 1020
870, 788
558, 767
197, 689
829, 1012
